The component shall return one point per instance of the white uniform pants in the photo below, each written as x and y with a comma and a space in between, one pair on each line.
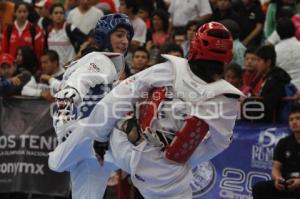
76, 155
151, 173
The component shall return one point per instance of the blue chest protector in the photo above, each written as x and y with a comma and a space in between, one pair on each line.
94, 95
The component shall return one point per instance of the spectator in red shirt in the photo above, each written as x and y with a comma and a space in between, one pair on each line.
249, 73
159, 28
6, 16
108, 4
22, 33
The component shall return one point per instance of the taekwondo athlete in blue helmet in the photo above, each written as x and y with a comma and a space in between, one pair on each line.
85, 82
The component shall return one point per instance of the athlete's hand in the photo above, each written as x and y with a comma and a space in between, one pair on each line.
68, 94
65, 101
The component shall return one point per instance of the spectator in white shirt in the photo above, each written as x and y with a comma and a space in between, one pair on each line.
62, 37
183, 11
84, 16
42, 7
49, 81
288, 50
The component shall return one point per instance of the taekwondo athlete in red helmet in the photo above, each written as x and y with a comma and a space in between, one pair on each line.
85, 82
183, 114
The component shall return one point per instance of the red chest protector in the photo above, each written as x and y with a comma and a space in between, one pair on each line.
185, 140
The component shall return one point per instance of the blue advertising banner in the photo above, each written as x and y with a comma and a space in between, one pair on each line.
248, 160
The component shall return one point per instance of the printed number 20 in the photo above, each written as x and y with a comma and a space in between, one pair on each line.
237, 180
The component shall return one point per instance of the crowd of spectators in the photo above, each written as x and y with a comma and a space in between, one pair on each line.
30, 28
39, 38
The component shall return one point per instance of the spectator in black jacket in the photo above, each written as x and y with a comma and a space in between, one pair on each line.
251, 20
224, 10
271, 84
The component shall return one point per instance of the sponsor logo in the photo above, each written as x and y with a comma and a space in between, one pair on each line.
30, 142
21, 167
94, 67
262, 152
204, 176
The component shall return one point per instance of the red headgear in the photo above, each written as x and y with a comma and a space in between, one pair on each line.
212, 42
44, 3
6, 58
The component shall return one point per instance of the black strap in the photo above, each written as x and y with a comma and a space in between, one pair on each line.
9, 31
70, 36
131, 123
47, 30
76, 36
33, 34
100, 148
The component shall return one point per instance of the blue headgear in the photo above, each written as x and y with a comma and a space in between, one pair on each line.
109, 23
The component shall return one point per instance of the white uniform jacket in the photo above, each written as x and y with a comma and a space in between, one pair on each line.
92, 69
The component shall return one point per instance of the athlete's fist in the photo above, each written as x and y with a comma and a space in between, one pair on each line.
66, 101
69, 95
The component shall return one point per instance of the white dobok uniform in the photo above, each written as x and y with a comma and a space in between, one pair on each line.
96, 68
154, 175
